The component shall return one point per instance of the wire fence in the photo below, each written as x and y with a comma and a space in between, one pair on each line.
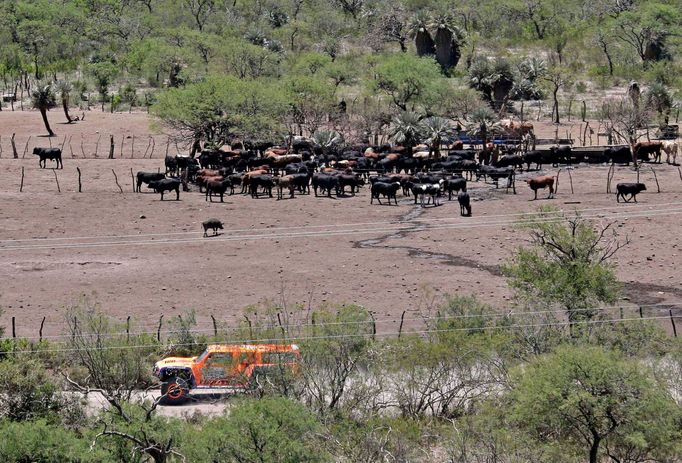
409, 322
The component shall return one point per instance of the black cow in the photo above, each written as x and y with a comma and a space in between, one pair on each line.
53, 154
464, 203
210, 159
213, 224
267, 182
618, 155
171, 164
535, 157
352, 181
432, 190
219, 188
147, 178
454, 184
510, 160
386, 189
167, 184
325, 182
561, 155
632, 189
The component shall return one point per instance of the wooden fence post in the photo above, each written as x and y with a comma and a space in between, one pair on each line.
215, 326
14, 328
14, 146
26, 147
400, 328
40, 331
250, 327
80, 186
132, 148
128, 329
111, 147
21, 187
54, 171
133, 178
641, 312
158, 330
97, 145
116, 179
570, 179
672, 322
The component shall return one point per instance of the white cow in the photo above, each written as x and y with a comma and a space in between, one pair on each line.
670, 149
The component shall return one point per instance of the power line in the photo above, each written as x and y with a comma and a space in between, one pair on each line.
328, 233
340, 336
352, 224
491, 315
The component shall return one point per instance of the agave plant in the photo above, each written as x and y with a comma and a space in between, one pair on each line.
407, 130
436, 130
419, 29
482, 123
44, 99
448, 40
327, 139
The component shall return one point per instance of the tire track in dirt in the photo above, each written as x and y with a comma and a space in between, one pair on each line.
638, 293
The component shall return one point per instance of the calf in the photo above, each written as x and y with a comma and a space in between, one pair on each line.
454, 184
432, 190
171, 164
388, 190
167, 184
632, 189
537, 183
285, 182
53, 154
464, 203
212, 224
147, 178
670, 149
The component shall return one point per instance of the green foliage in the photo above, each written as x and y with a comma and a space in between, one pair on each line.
407, 80
567, 264
272, 429
28, 392
41, 442
597, 403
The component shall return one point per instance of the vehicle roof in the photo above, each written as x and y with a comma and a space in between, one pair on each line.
252, 348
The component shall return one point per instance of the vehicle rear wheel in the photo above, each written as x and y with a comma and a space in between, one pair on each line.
174, 391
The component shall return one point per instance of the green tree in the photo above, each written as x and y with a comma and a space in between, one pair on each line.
567, 264
406, 79
598, 403
104, 74
28, 391
43, 99
269, 430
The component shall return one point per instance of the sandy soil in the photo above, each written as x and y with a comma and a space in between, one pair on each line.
307, 250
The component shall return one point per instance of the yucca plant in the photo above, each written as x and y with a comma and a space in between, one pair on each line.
419, 30
65, 88
448, 41
436, 130
43, 99
407, 130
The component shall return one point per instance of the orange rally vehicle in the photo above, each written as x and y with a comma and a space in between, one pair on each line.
221, 365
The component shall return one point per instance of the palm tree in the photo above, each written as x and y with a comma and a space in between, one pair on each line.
436, 130
44, 99
406, 130
419, 29
481, 124
448, 40
64, 87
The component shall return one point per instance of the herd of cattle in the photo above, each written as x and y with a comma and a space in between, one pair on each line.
387, 169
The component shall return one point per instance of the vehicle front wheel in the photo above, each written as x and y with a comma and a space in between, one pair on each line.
174, 391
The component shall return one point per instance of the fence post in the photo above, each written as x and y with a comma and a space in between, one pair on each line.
14, 328
80, 186
641, 312
40, 331
54, 171
400, 328
158, 330
250, 328
215, 326
133, 178
14, 146
111, 147
128, 329
116, 179
21, 187
672, 322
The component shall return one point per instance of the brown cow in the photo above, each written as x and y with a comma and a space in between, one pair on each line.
537, 183
643, 149
517, 128
246, 178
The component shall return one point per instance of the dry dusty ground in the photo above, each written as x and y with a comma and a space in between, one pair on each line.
305, 250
